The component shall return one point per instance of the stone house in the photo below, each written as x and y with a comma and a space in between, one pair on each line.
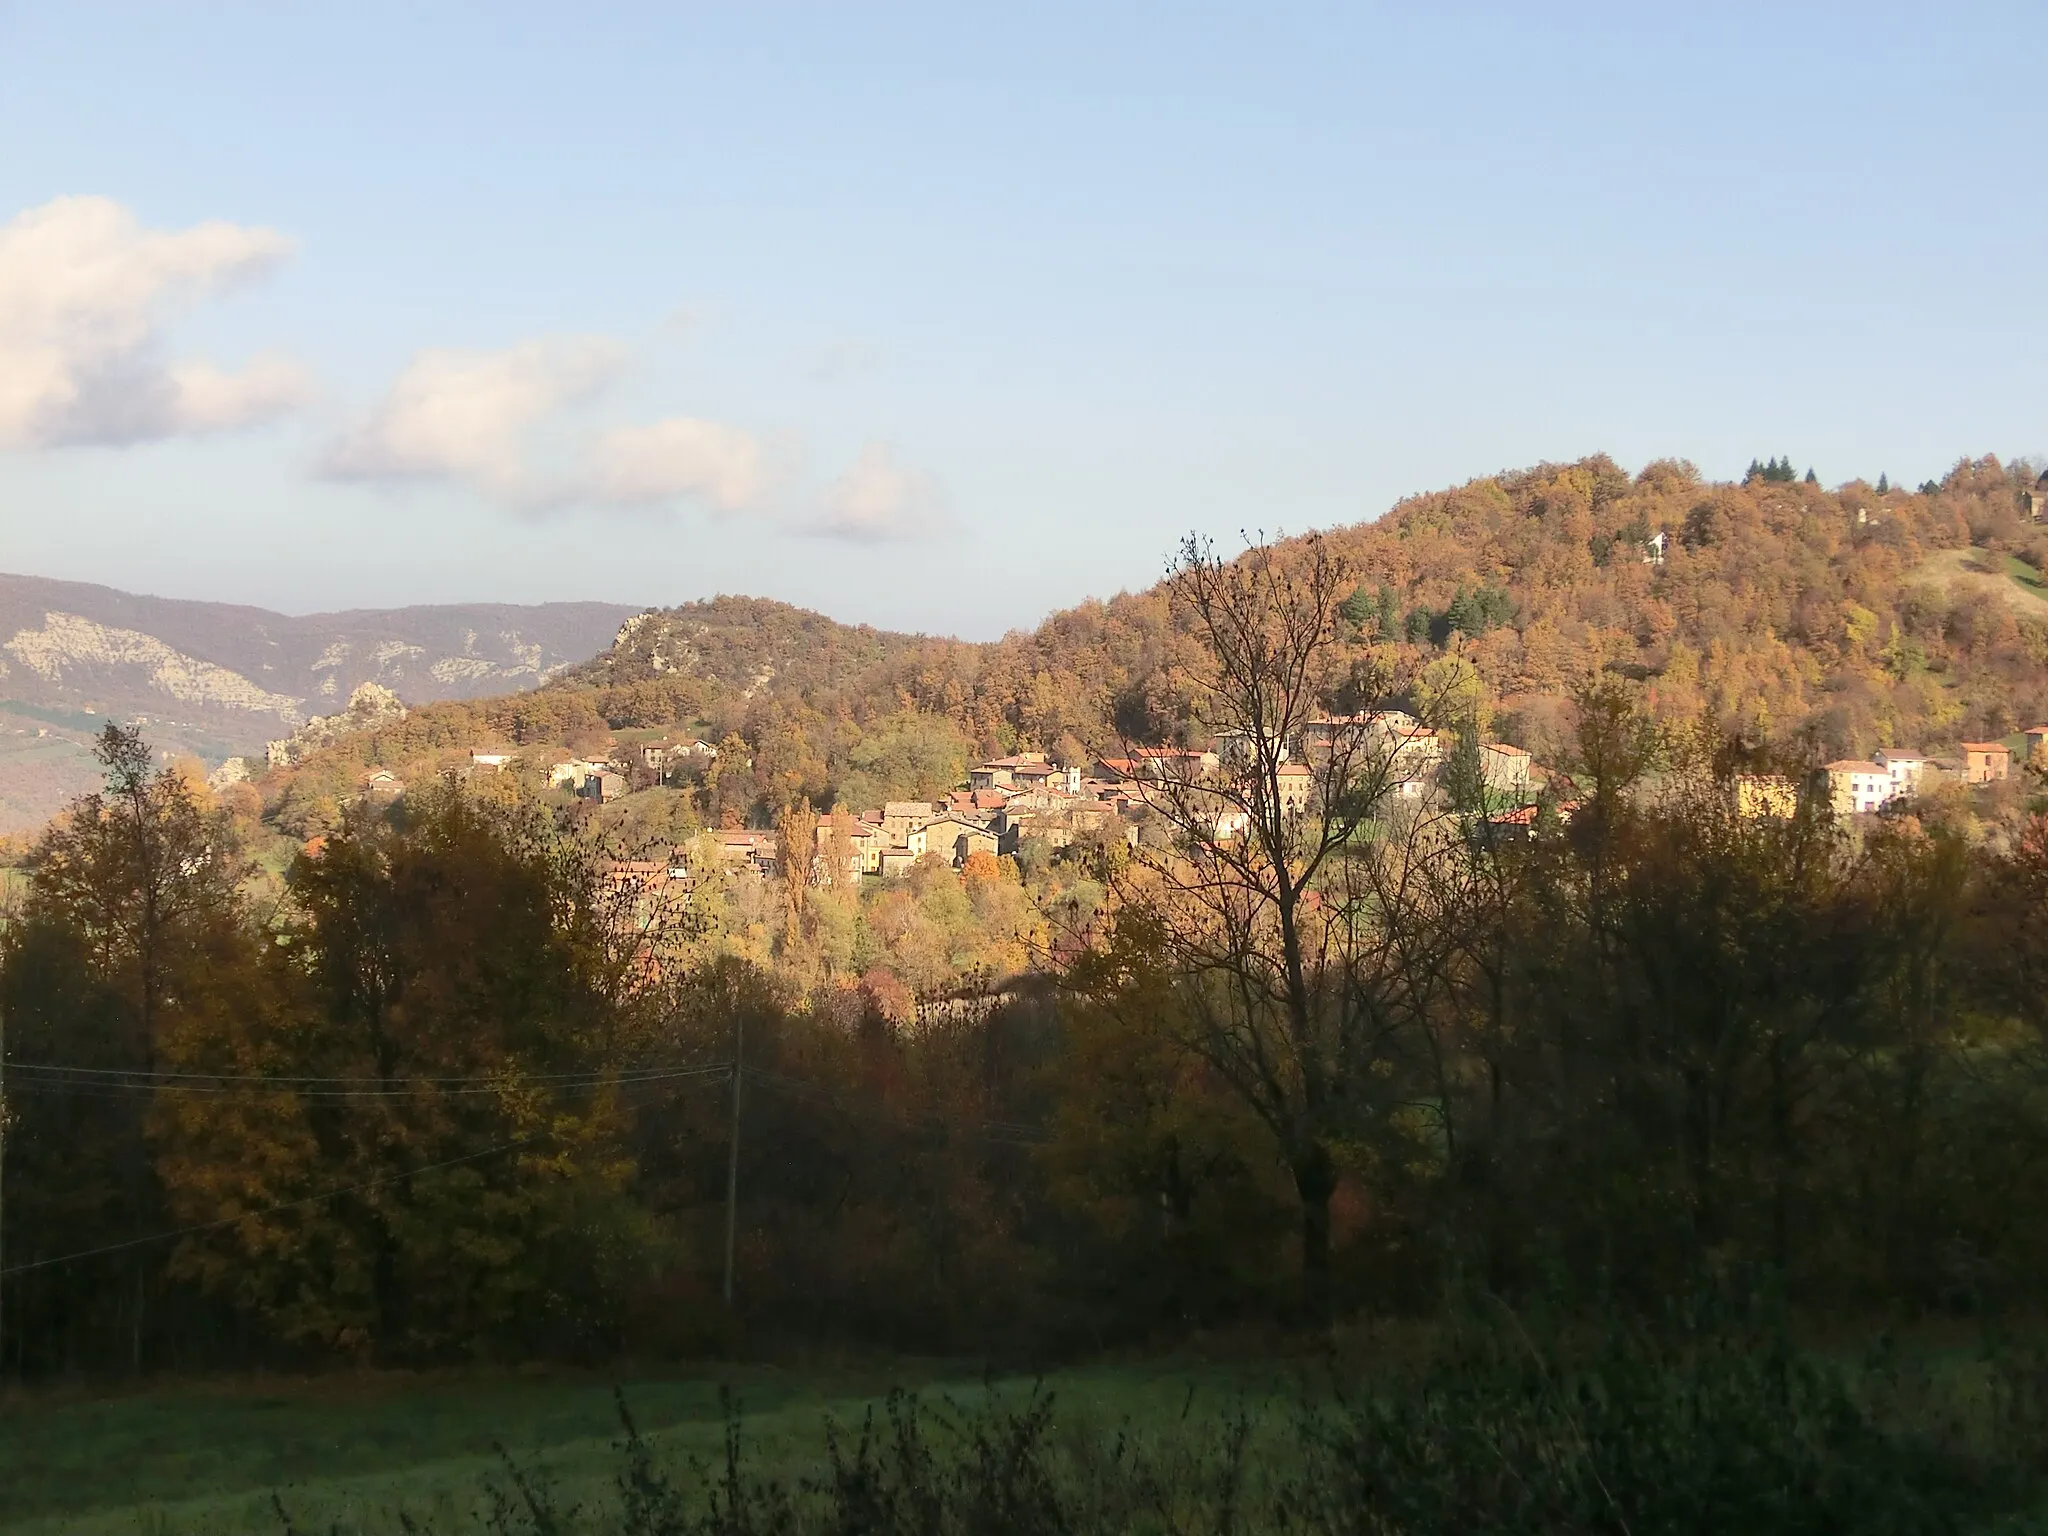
758, 853
901, 817
383, 784
896, 862
570, 773
1000, 772
2034, 502
1181, 765
957, 838
603, 786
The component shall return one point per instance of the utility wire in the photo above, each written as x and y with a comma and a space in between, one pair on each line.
97, 1084
264, 1077
273, 1210
995, 1132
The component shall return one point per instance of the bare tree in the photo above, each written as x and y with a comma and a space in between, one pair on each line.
1278, 901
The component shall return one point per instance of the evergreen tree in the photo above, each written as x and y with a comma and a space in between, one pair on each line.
1359, 609
1390, 613
1463, 616
1884, 485
1811, 477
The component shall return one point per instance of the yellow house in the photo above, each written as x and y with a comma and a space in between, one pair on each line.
1765, 794
1985, 762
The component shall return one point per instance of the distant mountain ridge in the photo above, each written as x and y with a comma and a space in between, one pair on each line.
219, 679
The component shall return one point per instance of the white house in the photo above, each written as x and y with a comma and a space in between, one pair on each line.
1858, 787
1505, 769
1905, 768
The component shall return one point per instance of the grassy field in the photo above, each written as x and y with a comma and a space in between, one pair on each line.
2026, 576
1678, 1435
350, 1454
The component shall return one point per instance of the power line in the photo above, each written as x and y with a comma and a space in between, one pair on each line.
994, 1132
50, 1082
273, 1210
153, 1075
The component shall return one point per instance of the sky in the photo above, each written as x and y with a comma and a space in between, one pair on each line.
941, 317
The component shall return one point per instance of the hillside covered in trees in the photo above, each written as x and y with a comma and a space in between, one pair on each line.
1825, 623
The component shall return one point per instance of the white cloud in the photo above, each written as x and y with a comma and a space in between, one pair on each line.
877, 499
84, 289
465, 415
678, 457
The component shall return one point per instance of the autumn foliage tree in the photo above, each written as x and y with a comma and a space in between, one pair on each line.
131, 940
447, 1047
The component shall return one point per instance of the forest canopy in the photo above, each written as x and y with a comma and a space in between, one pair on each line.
1839, 620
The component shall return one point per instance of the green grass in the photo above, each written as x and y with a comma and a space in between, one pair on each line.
350, 1453
2026, 575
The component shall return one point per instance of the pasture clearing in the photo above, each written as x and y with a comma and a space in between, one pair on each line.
350, 1453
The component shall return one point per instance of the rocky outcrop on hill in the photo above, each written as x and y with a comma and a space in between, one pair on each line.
368, 707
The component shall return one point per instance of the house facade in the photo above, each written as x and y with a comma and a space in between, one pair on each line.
1506, 770
1986, 762
1906, 769
1001, 772
900, 818
603, 786
1856, 787
957, 839
1767, 794
1297, 788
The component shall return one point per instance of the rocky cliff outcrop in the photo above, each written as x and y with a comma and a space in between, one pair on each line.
370, 706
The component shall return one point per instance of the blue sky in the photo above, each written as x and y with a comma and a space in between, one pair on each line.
941, 317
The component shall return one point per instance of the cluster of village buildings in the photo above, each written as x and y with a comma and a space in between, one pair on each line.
1008, 801
1025, 796
1859, 786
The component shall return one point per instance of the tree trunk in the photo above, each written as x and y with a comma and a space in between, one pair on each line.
1315, 1181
